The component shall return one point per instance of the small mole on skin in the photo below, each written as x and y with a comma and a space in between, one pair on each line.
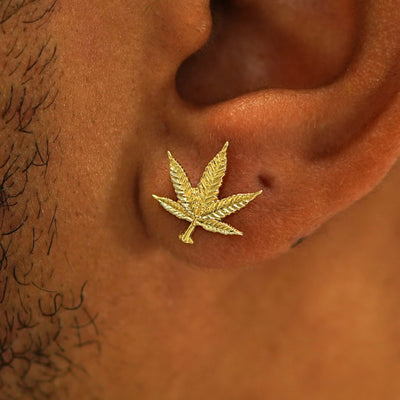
300, 241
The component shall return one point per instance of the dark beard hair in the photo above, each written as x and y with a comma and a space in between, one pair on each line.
40, 326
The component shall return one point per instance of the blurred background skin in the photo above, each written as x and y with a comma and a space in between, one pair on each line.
105, 311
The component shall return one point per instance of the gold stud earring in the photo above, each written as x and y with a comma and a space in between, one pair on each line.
200, 206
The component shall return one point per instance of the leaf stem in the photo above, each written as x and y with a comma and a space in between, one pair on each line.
185, 237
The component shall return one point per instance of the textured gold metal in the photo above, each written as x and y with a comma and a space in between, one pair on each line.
200, 206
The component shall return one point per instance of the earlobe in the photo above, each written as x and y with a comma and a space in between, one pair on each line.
312, 152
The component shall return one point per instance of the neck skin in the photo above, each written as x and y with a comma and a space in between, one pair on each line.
321, 319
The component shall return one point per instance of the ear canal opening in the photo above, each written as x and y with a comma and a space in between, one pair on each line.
265, 44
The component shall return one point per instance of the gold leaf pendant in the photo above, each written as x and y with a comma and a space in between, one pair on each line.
200, 206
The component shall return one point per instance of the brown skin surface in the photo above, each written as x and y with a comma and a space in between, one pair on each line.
319, 321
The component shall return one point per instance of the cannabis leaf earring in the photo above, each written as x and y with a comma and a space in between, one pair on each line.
200, 206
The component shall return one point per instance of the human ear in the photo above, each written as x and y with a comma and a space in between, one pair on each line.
314, 146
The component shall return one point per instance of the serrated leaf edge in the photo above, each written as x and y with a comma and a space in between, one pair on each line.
174, 208
216, 226
212, 177
180, 181
229, 205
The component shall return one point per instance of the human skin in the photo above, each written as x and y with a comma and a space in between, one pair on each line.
250, 317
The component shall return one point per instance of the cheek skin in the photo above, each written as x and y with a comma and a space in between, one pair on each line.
101, 113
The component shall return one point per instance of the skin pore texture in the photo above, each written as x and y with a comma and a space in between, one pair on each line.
98, 297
